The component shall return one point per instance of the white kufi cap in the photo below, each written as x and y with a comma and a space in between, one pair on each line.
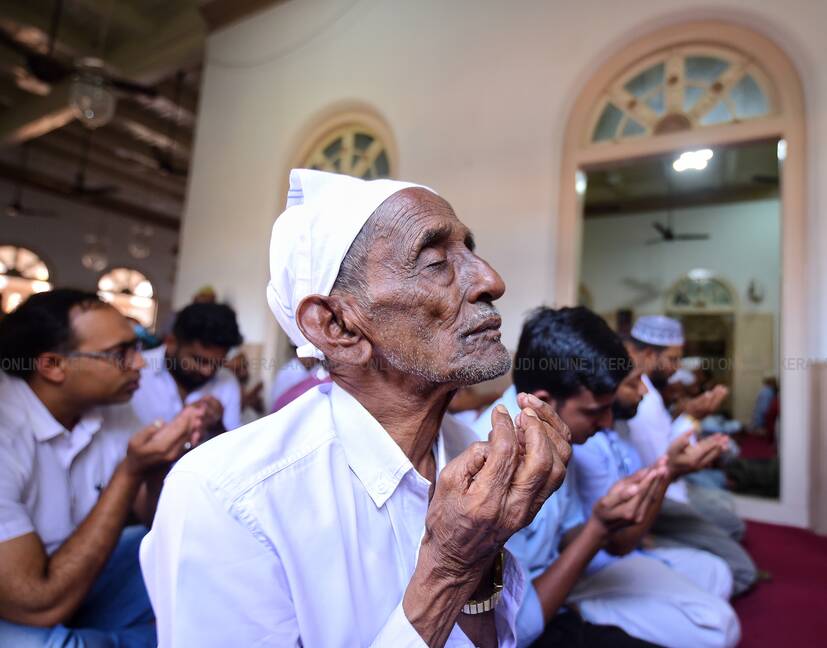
658, 330
324, 214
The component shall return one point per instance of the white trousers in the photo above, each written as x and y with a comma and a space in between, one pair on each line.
682, 604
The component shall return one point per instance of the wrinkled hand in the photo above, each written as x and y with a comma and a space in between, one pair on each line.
684, 457
707, 403
161, 444
630, 499
495, 488
213, 411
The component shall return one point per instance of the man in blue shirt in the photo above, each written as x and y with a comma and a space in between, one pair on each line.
609, 456
571, 359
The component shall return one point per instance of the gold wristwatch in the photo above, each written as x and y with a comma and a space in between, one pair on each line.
488, 604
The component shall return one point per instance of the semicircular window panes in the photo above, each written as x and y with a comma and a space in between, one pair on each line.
700, 293
352, 149
682, 89
22, 273
131, 293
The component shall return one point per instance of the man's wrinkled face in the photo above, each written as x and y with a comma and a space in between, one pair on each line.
629, 394
586, 414
430, 298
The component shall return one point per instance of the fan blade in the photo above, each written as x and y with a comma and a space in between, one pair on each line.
47, 68
663, 230
42, 67
130, 87
692, 237
13, 44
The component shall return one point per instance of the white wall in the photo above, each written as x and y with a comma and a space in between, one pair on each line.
744, 245
60, 242
477, 94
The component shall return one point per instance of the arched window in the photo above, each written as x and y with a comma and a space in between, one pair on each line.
131, 293
22, 273
686, 88
700, 292
354, 149
683, 88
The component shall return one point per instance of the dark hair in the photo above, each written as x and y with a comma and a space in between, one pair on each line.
564, 350
41, 324
209, 324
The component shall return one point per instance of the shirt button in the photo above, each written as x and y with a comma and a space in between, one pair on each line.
382, 487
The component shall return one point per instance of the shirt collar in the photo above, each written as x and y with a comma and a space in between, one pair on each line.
375, 458
651, 389
155, 359
46, 427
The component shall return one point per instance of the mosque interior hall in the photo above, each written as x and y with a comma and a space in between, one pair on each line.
269, 268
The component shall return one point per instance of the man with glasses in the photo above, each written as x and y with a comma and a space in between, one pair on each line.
189, 369
76, 468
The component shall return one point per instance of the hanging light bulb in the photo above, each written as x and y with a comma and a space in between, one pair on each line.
90, 96
139, 246
94, 256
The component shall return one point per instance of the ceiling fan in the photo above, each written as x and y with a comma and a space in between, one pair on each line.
666, 232
44, 70
668, 235
16, 209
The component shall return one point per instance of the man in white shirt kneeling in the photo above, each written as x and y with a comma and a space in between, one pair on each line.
75, 466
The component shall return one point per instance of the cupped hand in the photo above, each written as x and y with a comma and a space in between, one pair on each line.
685, 457
494, 488
160, 444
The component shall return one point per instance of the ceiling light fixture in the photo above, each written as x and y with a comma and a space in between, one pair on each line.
692, 160
90, 95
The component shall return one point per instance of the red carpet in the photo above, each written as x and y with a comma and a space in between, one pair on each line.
790, 611
755, 447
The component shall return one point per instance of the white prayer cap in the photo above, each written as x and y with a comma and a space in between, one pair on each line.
658, 330
683, 376
324, 214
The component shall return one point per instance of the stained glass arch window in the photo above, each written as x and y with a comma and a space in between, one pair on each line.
22, 272
700, 292
683, 88
131, 293
354, 149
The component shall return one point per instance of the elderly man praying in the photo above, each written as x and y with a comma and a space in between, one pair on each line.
357, 515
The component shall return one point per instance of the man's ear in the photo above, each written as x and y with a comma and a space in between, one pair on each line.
171, 343
329, 324
51, 367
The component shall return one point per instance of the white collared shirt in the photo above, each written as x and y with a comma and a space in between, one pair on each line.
50, 477
301, 529
158, 396
651, 432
